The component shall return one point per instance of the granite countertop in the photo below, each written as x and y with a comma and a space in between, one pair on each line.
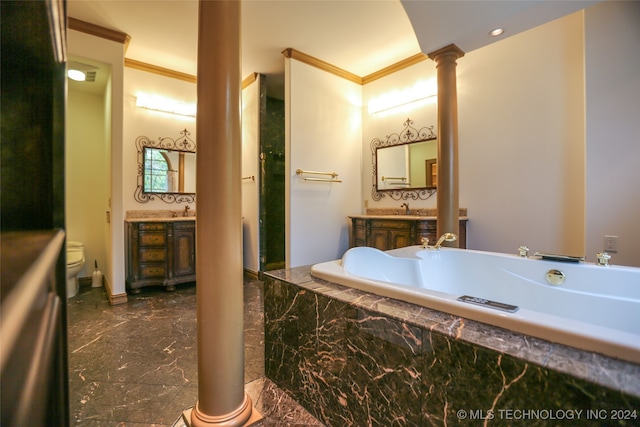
160, 216
413, 217
603, 370
170, 219
421, 214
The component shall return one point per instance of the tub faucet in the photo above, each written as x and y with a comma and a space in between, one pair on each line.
407, 211
446, 237
603, 258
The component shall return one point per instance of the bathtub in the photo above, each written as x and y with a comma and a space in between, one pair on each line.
596, 308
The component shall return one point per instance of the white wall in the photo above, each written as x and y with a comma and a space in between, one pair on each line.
154, 125
86, 176
124, 123
251, 187
323, 133
535, 135
521, 133
380, 125
111, 53
521, 140
613, 128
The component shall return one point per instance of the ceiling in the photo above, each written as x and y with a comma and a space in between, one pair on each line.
360, 36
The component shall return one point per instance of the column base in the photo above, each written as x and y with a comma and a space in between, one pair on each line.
235, 419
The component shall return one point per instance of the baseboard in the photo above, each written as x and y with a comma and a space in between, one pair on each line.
274, 266
250, 274
88, 281
114, 299
118, 299
85, 281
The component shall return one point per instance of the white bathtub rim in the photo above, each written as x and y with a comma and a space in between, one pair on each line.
411, 267
610, 342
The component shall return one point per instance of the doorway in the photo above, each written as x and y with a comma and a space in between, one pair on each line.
272, 189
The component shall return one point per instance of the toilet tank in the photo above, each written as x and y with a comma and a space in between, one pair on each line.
75, 252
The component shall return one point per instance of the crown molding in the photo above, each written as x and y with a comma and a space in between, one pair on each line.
319, 63
143, 66
325, 66
394, 68
249, 79
120, 37
98, 31
150, 68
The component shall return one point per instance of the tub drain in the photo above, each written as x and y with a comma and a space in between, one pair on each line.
556, 277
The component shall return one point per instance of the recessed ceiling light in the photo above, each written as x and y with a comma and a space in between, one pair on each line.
497, 32
76, 75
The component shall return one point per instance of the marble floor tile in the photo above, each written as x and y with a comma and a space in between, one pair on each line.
136, 364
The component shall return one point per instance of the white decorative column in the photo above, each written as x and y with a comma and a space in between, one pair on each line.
448, 209
222, 400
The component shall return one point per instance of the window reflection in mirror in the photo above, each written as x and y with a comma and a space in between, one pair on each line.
168, 171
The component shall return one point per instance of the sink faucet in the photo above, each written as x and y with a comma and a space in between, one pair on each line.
186, 211
446, 237
407, 211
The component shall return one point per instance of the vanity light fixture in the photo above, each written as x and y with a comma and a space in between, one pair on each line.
497, 32
420, 91
166, 105
76, 75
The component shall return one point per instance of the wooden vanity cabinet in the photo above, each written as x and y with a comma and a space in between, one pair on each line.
392, 233
184, 249
160, 253
384, 234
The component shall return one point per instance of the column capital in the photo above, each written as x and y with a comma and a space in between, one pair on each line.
449, 51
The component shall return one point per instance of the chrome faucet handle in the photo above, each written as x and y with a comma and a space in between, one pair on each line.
425, 242
603, 258
523, 251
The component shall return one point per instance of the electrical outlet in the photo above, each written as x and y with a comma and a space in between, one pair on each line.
611, 243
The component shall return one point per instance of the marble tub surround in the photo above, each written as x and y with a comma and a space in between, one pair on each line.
400, 211
135, 364
160, 215
353, 358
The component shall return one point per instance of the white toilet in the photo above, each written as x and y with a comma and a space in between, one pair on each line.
75, 262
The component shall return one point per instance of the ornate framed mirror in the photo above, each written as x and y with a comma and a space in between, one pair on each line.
405, 164
166, 169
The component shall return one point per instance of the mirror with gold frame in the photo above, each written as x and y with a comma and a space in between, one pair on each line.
166, 169
405, 164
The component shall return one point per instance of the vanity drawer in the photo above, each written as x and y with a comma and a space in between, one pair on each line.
392, 233
152, 226
152, 239
147, 255
151, 271
160, 254
403, 225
